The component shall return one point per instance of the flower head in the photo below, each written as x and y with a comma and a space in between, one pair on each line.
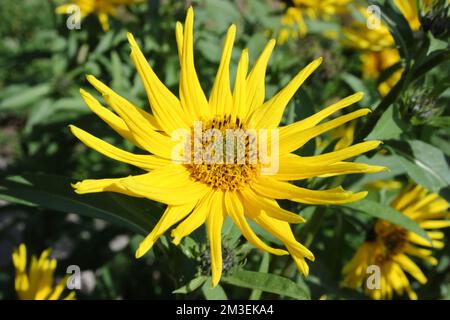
36, 282
102, 8
389, 246
377, 44
293, 19
237, 183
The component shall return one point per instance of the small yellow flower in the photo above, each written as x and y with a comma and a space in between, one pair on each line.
390, 246
102, 8
293, 19
36, 283
201, 192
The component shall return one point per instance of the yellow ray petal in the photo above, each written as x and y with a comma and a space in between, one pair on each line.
240, 107
321, 115
270, 113
279, 229
272, 188
409, 266
270, 208
146, 162
423, 242
421, 253
435, 224
220, 100
102, 185
214, 229
192, 96
236, 211
291, 142
256, 79
179, 38
194, 220
407, 197
114, 121
151, 140
171, 216
165, 106
150, 186
332, 157
70, 296
290, 169
58, 290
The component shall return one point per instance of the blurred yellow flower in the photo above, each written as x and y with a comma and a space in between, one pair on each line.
198, 191
377, 45
293, 19
102, 8
390, 246
36, 283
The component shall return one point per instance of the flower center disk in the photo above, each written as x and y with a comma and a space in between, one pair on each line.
223, 154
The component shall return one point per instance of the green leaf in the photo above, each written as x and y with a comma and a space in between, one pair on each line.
390, 126
266, 282
263, 268
55, 193
387, 213
424, 163
440, 122
192, 285
25, 97
211, 293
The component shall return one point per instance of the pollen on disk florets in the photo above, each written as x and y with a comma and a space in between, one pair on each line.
223, 153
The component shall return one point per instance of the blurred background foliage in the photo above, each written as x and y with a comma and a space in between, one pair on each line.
44, 65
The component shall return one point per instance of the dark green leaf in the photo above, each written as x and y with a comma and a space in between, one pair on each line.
266, 282
55, 192
381, 211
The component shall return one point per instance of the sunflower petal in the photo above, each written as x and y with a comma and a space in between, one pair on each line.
321, 115
214, 229
290, 141
192, 96
409, 266
114, 121
146, 162
240, 107
256, 79
165, 106
291, 169
269, 114
220, 99
171, 216
194, 220
151, 140
272, 188
236, 211
271, 208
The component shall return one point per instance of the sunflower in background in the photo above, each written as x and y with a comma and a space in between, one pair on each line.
293, 21
377, 44
102, 8
36, 282
201, 192
389, 246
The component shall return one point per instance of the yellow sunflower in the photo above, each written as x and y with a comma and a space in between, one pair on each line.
36, 283
390, 246
200, 191
293, 19
102, 8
